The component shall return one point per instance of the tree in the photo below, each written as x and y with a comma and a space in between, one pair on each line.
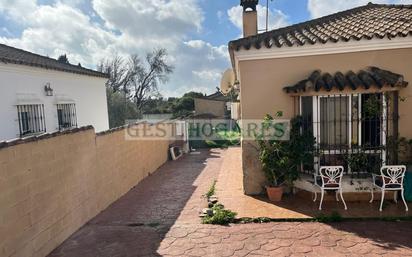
119, 110
120, 75
186, 104
192, 94
134, 81
148, 76
119, 104
63, 59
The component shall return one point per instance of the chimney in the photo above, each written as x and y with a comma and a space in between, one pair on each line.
250, 25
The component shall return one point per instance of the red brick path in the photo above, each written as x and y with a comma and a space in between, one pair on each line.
159, 218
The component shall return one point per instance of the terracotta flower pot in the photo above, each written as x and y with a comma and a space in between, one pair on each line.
274, 193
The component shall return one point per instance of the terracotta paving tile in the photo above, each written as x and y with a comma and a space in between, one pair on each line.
159, 217
302, 249
196, 252
229, 189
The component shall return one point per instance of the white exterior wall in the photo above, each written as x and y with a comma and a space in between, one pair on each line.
88, 94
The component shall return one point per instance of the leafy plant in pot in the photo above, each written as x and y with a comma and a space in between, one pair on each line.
281, 160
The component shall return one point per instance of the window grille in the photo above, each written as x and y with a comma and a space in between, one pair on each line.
31, 119
66, 114
352, 128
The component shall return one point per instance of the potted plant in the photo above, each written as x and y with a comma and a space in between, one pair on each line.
281, 160
276, 164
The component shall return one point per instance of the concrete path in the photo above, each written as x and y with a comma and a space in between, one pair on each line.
159, 217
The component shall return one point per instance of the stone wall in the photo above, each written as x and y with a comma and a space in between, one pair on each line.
53, 184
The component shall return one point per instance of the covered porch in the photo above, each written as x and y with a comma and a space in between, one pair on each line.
354, 119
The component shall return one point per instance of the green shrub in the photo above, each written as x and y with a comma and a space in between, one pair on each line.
220, 216
281, 160
211, 189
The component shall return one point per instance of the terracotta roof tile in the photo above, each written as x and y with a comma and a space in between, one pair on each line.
13, 55
365, 22
372, 77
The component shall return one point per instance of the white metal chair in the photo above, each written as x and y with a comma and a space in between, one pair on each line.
390, 179
329, 178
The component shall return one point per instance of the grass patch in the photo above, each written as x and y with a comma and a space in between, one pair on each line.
254, 220
220, 216
211, 190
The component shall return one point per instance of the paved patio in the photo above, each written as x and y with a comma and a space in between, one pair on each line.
230, 192
159, 218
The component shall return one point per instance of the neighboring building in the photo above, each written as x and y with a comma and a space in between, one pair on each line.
40, 94
329, 70
214, 106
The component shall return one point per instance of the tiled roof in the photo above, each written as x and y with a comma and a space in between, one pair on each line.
365, 22
13, 55
371, 77
218, 96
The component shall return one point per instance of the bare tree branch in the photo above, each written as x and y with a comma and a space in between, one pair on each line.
136, 79
119, 74
149, 76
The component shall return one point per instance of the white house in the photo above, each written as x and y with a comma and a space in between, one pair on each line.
38, 94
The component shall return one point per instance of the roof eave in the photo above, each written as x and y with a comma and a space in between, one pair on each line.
91, 73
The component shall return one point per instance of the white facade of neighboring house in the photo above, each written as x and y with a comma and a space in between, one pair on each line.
26, 109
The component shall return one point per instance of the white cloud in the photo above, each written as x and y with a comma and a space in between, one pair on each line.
126, 27
53, 30
212, 75
318, 8
220, 15
198, 67
74, 3
154, 19
235, 16
18, 10
277, 18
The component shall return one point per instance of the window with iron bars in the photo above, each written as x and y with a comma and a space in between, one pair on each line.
356, 131
66, 115
31, 119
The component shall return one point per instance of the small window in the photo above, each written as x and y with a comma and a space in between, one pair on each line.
66, 114
31, 119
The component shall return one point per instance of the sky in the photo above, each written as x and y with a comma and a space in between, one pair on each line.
194, 32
